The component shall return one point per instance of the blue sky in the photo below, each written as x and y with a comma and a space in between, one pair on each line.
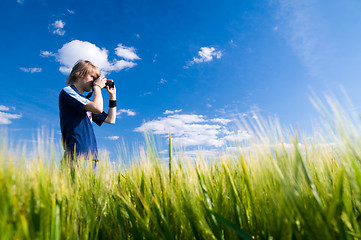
191, 67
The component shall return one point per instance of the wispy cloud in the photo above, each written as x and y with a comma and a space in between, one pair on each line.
232, 43
145, 94
221, 120
193, 130
113, 138
300, 23
31, 70
206, 54
128, 112
171, 112
238, 136
47, 54
5, 117
163, 81
72, 51
20, 1
193, 154
71, 11
57, 27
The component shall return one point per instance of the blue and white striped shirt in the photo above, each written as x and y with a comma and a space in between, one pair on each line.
76, 123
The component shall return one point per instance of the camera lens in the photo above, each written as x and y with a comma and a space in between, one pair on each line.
110, 84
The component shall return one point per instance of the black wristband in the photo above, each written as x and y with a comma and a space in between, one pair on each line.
112, 103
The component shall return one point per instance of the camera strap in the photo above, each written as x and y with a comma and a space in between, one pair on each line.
89, 95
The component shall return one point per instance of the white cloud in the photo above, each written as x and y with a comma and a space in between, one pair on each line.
31, 70
5, 118
127, 53
171, 112
47, 54
190, 154
119, 65
113, 138
206, 54
4, 108
58, 27
162, 81
126, 111
71, 52
75, 50
20, 1
209, 105
236, 137
65, 70
192, 130
71, 11
59, 24
186, 130
200, 153
59, 32
221, 120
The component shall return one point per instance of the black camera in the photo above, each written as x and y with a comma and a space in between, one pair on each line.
110, 84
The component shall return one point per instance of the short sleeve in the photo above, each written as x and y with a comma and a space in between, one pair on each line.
99, 118
74, 99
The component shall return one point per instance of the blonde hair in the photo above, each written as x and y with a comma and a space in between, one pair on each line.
81, 69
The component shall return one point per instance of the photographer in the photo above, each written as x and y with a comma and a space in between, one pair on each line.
77, 112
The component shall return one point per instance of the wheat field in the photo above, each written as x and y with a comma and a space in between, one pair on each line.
277, 185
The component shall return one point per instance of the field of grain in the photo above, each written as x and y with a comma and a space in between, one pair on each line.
277, 185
